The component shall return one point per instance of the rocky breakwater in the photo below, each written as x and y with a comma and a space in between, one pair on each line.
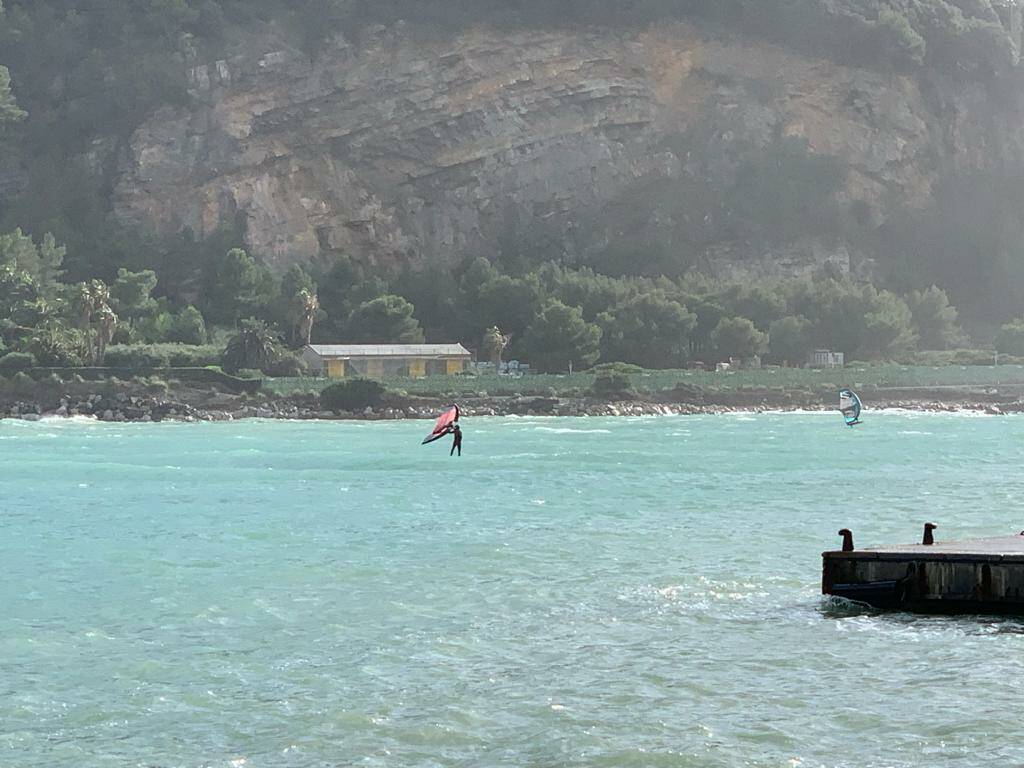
990, 409
188, 406
116, 408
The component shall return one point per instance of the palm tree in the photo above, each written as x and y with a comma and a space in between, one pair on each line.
495, 343
309, 305
254, 346
83, 301
96, 318
106, 324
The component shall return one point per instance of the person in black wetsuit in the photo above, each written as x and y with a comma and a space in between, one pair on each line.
456, 441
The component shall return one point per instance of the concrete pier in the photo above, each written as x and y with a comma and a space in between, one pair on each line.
974, 576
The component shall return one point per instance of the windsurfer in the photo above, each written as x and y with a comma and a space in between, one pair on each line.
456, 440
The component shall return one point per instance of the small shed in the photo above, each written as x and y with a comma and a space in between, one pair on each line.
825, 358
752, 363
376, 361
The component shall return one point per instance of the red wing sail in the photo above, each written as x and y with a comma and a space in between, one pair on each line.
443, 425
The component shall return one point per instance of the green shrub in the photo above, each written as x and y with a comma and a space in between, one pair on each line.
24, 384
941, 358
623, 368
137, 357
188, 327
287, 365
14, 362
901, 36
54, 344
973, 357
193, 356
352, 395
1010, 340
613, 384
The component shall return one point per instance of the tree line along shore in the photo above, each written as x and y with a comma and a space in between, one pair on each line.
609, 391
245, 317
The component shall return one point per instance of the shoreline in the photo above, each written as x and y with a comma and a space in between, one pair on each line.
225, 418
128, 404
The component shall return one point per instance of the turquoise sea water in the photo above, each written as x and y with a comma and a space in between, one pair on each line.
584, 592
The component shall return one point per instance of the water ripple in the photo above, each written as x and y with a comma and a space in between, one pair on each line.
632, 592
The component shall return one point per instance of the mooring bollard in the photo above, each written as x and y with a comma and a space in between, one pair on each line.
847, 535
929, 539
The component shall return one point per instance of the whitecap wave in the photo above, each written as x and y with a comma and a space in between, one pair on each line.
572, 431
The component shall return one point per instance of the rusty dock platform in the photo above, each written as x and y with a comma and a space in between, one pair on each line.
983, 576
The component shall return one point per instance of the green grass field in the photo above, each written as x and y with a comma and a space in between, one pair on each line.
866, 377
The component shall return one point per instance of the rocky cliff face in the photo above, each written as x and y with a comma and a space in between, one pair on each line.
406, 150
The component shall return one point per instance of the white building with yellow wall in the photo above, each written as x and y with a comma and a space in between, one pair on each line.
375, 361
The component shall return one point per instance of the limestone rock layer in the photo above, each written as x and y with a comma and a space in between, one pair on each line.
406, 149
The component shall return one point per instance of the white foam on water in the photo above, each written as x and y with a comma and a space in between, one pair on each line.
913, 413
572, 431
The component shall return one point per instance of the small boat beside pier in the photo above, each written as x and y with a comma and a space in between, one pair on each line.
973, 576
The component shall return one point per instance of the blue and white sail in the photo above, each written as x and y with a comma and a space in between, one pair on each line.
850, 406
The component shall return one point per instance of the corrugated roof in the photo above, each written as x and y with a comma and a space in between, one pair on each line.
389, 350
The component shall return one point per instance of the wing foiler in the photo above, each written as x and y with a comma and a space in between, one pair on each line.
850, 405
444, 425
